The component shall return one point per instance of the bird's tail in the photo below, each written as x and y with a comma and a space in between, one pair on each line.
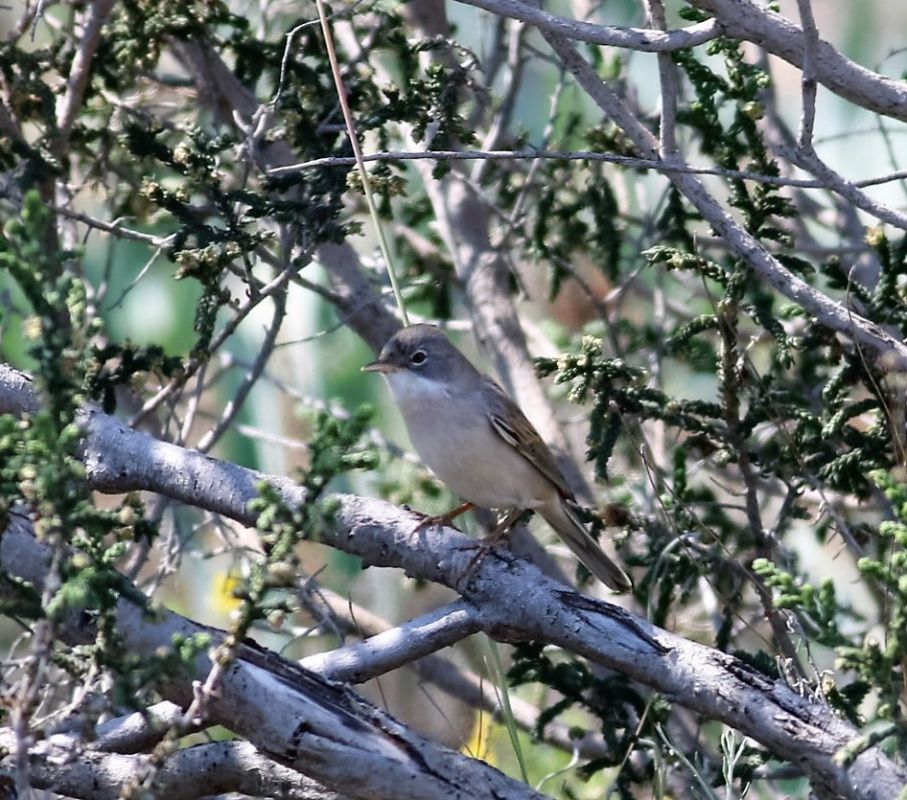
564, 519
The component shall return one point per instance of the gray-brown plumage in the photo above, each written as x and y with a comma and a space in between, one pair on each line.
478, 442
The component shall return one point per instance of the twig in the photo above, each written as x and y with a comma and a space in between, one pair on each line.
357, 151
575, 155
667, 73
649, 41
808, 77
235, 405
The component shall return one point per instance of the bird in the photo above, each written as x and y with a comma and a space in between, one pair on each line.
475, 438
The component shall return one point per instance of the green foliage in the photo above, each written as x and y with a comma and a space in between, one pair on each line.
334, 449
612, 700
41, 471
116, 365
137, 677
880, 664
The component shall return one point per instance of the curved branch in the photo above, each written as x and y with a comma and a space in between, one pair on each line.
395, 647
643, 39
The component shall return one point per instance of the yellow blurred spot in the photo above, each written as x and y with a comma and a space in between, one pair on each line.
223, 598
479, 743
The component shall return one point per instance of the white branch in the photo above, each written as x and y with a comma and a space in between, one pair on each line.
646, 40
395, 647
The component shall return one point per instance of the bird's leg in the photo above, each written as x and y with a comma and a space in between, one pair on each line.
503, 527
444, 519
486, 545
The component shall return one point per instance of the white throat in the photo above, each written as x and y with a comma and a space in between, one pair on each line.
411, 390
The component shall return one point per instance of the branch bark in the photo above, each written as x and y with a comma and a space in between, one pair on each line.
643, 39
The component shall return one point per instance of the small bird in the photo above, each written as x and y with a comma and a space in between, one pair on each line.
479, 443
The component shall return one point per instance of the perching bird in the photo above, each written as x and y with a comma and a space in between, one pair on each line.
479, 443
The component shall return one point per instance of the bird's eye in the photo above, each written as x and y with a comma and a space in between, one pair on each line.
418, 357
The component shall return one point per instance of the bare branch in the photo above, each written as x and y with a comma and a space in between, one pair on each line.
808, 82
390, 649
575, 155
648, 41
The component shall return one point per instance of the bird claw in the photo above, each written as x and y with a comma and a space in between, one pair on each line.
443, 520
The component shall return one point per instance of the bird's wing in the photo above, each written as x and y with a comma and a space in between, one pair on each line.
512, 426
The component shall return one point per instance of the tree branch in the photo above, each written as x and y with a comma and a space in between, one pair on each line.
645, 40
313, 726
396, 647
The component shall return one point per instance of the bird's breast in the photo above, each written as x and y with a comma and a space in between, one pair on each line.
454, 438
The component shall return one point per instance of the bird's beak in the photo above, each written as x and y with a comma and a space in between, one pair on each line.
381, 366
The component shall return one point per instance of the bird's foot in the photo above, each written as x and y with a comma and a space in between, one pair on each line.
444, 520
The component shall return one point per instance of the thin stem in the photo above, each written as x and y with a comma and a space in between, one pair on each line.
360, 161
